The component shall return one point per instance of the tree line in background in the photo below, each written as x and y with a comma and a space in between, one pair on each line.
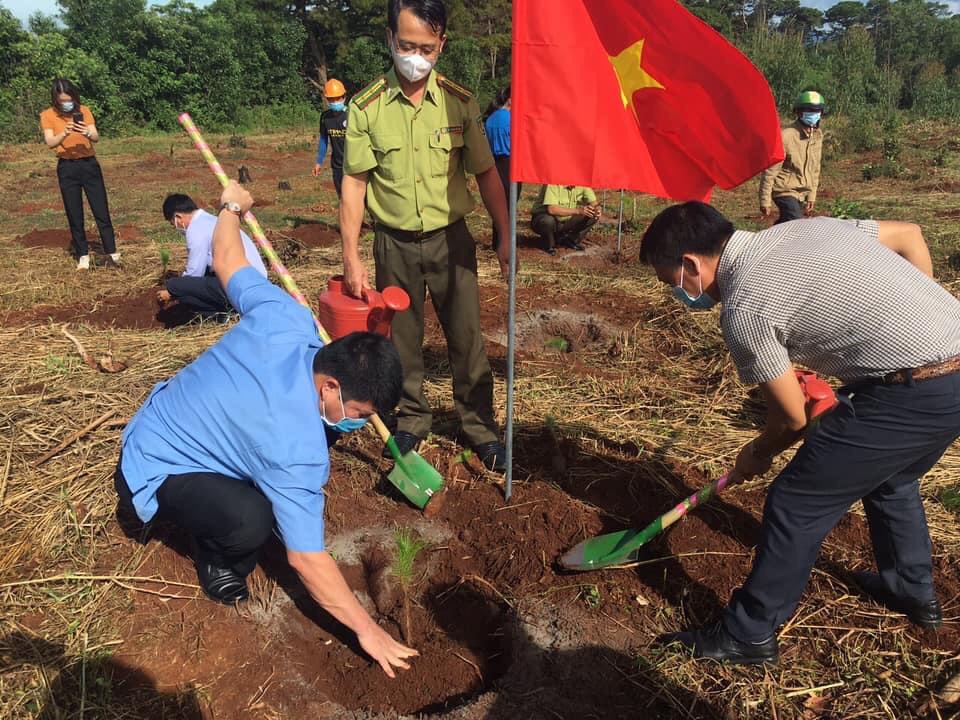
245, 64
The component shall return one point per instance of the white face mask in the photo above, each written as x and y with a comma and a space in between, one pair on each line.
414, 67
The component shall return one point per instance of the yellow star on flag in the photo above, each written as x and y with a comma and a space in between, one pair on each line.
631, 75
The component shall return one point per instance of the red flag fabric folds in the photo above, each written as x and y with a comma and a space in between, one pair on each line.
635, 94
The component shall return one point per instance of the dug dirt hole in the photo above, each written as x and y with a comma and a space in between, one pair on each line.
460, 633
563, 331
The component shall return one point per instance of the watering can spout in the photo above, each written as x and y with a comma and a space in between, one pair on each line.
343, 314
384, 306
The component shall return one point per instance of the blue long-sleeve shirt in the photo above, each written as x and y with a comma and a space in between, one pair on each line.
498, 130
200, 246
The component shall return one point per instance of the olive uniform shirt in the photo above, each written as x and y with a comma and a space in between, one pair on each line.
565, 196
417, 157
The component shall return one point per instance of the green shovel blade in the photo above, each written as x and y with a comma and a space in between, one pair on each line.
413, 476
623, 546
613, 548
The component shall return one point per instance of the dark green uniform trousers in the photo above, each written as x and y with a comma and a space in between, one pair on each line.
444, 262
564, 232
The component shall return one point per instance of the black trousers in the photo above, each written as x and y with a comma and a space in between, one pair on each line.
789, 207
229, 519
873, 447
503, 170
204, 294
567, 232
338, 180
84, 176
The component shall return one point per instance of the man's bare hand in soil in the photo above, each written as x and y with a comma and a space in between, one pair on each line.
381, 646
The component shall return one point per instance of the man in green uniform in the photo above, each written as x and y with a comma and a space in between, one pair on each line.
412, 135
563, 214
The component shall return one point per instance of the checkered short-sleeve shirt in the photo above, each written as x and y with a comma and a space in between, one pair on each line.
826, 294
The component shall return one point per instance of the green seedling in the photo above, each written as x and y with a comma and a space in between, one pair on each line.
591, 596
60, 364
558, 343
164, 259
950, 498
407, 545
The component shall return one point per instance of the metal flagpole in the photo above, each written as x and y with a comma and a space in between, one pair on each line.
620, 224
511, 333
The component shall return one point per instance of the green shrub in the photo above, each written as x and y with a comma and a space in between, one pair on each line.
886, 168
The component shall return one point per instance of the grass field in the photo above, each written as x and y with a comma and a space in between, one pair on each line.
625, 404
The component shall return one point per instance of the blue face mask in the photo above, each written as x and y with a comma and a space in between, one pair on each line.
338, 106
810, 119
700, 302
67, 106
346, 424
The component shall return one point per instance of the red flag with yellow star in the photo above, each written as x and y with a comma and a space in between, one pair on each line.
635, 94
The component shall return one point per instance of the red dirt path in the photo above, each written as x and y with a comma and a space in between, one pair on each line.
60, 239
137, 310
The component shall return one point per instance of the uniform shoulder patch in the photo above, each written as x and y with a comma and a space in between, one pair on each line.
453, 88
370, 92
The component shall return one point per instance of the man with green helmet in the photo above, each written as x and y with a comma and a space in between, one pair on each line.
795, 180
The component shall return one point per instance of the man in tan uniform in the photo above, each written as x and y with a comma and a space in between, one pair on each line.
563, 214
795, 180
412, 135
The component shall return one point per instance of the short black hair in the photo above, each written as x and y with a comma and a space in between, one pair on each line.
366, 365
692, 227
432, 12
177, 203
62, 85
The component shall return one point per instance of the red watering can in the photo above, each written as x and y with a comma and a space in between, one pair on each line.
341, 314
818, 394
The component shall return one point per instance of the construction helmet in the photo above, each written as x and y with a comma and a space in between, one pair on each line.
809, 100
334, 89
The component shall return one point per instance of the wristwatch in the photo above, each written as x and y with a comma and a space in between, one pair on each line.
232, 207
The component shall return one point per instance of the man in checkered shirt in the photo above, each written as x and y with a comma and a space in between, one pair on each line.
856, 301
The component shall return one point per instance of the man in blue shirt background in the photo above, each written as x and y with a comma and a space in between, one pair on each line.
198, 288
497, 127
233, 446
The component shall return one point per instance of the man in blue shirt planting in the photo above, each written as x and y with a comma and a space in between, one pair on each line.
233, 447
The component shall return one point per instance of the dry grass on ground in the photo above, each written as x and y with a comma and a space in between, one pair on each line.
667, 389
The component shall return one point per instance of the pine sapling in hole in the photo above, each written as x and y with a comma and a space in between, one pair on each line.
164, 260
407, 545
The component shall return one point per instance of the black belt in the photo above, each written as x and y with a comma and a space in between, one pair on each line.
411, 235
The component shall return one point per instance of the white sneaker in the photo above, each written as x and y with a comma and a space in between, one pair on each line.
83, 263
115, 257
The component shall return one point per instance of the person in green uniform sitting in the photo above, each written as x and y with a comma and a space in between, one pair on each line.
412, 137
563, 214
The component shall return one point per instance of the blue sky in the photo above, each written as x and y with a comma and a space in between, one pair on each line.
25, 8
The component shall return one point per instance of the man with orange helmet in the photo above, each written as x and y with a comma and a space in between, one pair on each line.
333, 131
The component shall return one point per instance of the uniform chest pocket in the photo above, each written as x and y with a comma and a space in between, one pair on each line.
445, 149
391, 161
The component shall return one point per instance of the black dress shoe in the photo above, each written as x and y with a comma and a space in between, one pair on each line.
715, 642
551, 251
493, 455
220, 583
925, 613
405, 443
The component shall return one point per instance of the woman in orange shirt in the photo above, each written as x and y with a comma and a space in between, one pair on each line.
69, 128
